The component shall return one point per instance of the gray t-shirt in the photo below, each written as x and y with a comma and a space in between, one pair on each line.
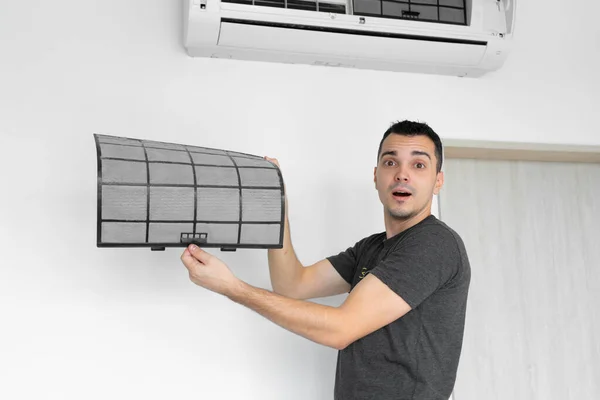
416, 356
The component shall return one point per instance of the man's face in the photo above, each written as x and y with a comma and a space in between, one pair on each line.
406, 177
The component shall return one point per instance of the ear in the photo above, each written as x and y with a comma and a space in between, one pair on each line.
375, 176
439, 182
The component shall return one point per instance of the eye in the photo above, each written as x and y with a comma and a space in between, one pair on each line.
389, 163
420, 165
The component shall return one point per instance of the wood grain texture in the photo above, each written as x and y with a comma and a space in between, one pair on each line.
486, 150
532, 231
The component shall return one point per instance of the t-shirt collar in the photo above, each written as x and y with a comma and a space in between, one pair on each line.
394, 239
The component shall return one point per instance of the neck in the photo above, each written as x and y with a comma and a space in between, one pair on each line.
395, 225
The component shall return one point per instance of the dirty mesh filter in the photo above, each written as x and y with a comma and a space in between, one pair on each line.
157, 195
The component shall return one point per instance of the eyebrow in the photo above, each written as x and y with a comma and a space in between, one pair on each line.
414, 153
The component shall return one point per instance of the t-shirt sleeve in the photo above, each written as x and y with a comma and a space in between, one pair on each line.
345, 262
419, 265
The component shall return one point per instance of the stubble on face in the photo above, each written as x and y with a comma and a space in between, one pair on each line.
403, 214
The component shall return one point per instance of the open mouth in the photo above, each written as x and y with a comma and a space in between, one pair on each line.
401, 194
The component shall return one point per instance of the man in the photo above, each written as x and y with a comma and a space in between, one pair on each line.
399, 332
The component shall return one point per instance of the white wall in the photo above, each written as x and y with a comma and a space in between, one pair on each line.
81, 322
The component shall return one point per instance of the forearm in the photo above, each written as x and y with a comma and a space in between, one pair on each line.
316, 322
284, 267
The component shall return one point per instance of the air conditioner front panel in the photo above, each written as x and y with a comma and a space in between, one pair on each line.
369, 45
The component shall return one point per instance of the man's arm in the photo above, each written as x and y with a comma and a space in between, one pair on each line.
335, 327
291, 279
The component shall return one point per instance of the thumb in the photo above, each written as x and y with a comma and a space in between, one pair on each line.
199, 254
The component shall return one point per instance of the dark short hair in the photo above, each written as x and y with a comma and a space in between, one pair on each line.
411, 128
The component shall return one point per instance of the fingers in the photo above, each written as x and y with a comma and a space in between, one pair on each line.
187, 257
199, 254
273, 160
276, 162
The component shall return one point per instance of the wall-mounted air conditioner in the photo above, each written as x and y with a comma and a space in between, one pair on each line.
450, 37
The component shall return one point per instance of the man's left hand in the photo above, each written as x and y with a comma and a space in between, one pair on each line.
208, 271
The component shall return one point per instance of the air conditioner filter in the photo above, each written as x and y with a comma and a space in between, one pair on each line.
157, 195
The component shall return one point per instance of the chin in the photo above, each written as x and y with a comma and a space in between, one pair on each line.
401, 214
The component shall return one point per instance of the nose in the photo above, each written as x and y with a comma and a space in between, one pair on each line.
401, 174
